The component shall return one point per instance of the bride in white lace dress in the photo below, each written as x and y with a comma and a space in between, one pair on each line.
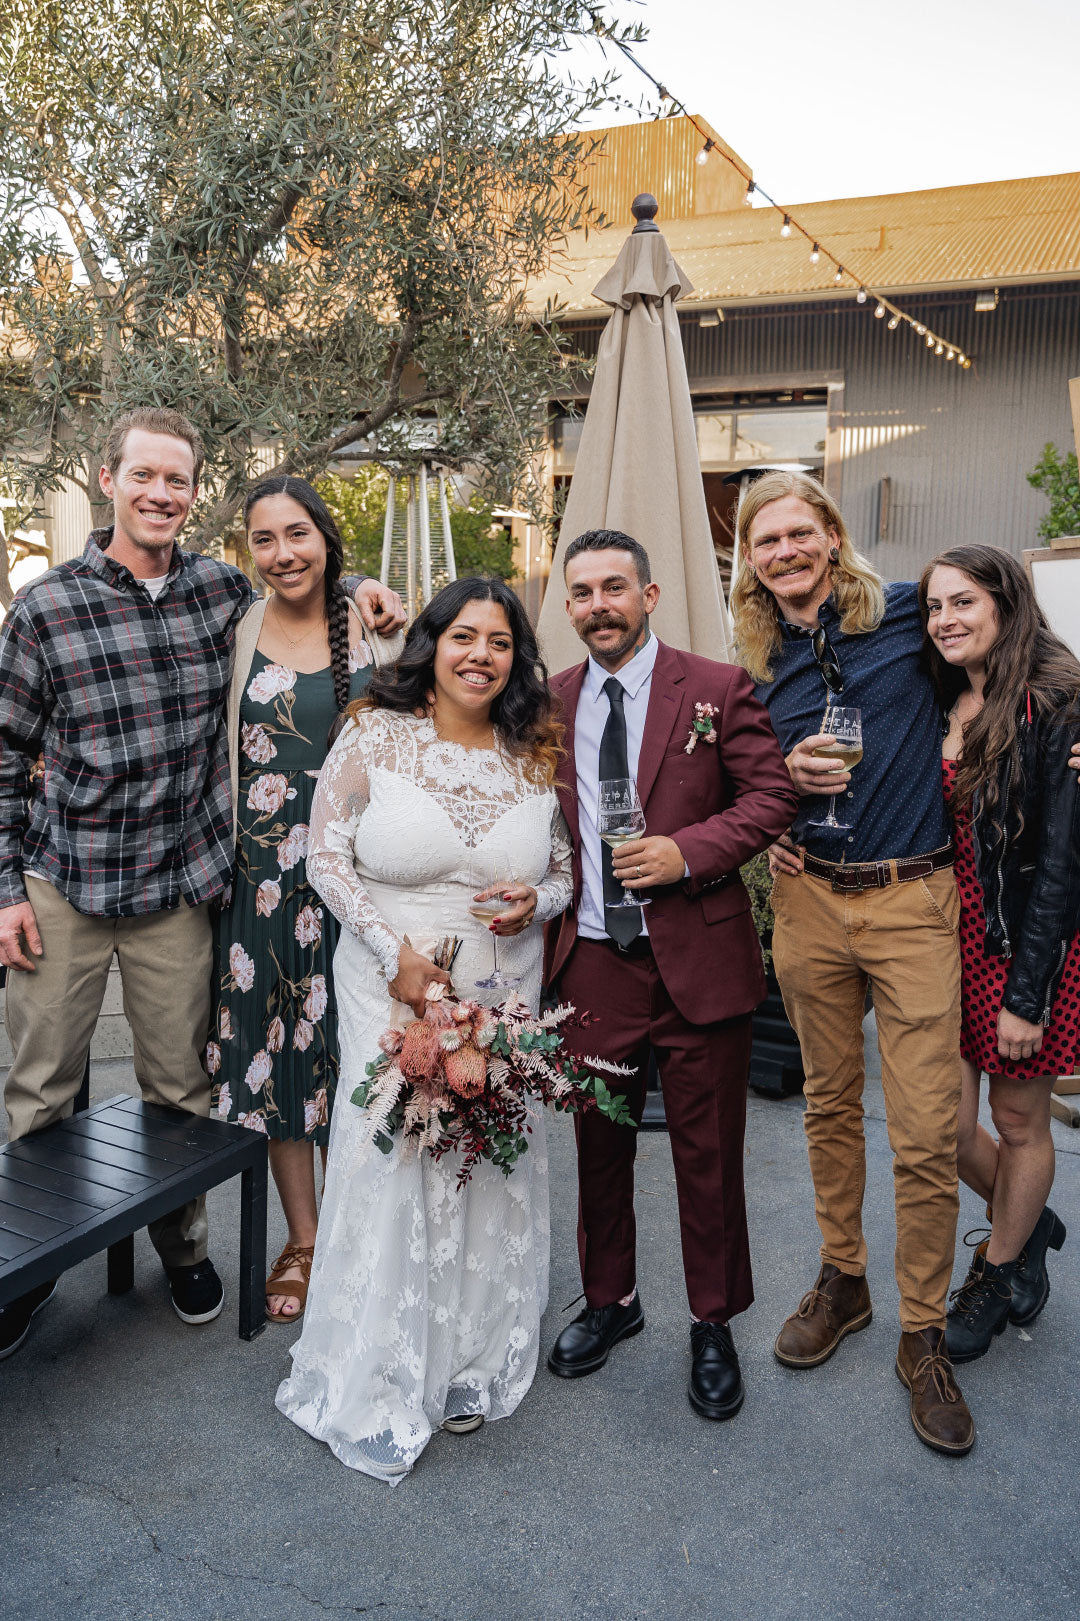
425, 1299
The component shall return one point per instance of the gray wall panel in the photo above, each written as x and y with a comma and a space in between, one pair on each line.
957, 445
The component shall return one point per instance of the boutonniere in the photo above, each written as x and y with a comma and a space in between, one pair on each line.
703, 729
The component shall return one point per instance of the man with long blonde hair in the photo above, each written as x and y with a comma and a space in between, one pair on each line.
870, 902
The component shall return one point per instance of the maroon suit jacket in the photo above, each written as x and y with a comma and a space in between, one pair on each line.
722, 804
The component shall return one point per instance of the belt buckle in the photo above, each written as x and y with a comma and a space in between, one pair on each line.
840, 888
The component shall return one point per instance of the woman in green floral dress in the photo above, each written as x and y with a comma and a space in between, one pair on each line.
301, 657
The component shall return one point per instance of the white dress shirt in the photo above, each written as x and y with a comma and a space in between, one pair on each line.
593, 710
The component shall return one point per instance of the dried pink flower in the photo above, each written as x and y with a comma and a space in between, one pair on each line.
466, 1071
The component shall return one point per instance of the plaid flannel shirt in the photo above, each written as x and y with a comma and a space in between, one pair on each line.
124, 696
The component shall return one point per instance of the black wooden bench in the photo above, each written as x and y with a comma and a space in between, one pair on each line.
90, 1182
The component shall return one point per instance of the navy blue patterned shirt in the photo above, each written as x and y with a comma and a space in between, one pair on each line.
894, 803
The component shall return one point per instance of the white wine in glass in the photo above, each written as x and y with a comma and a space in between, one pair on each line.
492, 872
620, 820
845, 746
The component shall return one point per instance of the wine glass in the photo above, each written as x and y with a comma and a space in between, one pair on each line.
621, 819
844, 726
489, 872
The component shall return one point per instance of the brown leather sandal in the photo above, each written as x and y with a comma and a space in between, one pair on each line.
296, 1288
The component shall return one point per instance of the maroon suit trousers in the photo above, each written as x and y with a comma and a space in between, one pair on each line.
703, 1072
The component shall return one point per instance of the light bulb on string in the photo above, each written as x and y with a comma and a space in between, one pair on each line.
929, 340
920, 329
839, 274
860, 296
879, 312
894, 322
939, 349
703, 156
949, 355
785, 229
815, 254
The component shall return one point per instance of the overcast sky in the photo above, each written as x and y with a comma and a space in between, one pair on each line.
838, 99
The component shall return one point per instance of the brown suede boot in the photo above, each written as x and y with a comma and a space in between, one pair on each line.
838, 1304
939, 1412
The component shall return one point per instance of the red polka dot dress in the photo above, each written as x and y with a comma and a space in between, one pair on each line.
983, 977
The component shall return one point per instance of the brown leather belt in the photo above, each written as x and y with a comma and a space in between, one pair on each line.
861, 875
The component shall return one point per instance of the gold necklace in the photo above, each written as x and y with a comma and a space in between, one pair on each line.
293, 641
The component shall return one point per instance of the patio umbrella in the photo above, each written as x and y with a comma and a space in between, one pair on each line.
637, 467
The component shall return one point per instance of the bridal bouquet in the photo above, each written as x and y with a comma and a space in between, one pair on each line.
466, 1076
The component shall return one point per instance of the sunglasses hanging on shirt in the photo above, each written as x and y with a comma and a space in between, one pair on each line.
827, 662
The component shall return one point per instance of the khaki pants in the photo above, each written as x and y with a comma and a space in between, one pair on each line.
165, 965
901, 940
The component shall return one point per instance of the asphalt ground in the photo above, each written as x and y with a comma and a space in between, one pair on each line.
146, 1472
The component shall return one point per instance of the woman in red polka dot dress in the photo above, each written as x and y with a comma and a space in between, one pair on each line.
1012, 693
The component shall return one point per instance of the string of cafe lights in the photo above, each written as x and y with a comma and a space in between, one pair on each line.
883, 306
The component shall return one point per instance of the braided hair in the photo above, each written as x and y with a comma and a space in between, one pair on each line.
337, 598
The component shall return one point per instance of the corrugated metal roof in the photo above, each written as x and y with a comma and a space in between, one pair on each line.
1000, 232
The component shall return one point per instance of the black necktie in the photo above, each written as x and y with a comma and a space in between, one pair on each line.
623, 924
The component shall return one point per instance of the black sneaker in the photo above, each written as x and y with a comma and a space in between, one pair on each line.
1031, 1282
197, 1293
980, 1308
16, 1316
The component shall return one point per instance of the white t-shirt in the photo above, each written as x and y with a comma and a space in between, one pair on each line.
156, 585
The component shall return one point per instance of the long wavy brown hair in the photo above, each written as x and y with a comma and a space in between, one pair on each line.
1025, 659
857, 591
522, 714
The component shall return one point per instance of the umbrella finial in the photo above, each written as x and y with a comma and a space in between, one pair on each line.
644, 208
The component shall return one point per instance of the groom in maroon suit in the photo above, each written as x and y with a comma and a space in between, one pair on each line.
680, 976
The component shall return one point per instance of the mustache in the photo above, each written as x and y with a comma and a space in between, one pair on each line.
604, 622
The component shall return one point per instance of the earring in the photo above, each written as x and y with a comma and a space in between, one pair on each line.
834, 556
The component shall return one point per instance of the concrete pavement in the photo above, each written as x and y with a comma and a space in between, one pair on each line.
147, 1474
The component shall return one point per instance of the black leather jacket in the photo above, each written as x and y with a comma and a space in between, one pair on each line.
1030, 874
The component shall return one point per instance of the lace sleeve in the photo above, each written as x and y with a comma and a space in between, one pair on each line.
341, 798
555, 891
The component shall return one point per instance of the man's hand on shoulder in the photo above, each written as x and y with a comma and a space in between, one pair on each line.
647, 863
810, 775
18, 927
381, 609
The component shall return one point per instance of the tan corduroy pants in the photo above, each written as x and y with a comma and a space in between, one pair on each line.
165, 965
902, 941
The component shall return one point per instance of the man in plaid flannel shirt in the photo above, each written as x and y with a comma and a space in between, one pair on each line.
114, 670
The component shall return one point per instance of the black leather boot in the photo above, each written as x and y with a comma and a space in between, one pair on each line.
1031, 1282
980, 1308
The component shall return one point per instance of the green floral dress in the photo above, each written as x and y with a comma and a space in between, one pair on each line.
272, 1053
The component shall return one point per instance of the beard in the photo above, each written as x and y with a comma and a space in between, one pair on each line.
611, 621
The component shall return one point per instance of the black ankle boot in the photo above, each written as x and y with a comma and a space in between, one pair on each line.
1031, 1283
980, 1308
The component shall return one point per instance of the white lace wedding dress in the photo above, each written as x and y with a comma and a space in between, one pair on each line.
425, 1299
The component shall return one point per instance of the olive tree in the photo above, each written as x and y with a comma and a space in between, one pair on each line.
303, 224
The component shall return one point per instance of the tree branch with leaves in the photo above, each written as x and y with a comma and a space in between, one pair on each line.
301, 224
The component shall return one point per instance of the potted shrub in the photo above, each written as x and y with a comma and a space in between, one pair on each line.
775, 1061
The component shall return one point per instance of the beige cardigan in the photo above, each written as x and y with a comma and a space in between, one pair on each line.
384, 650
